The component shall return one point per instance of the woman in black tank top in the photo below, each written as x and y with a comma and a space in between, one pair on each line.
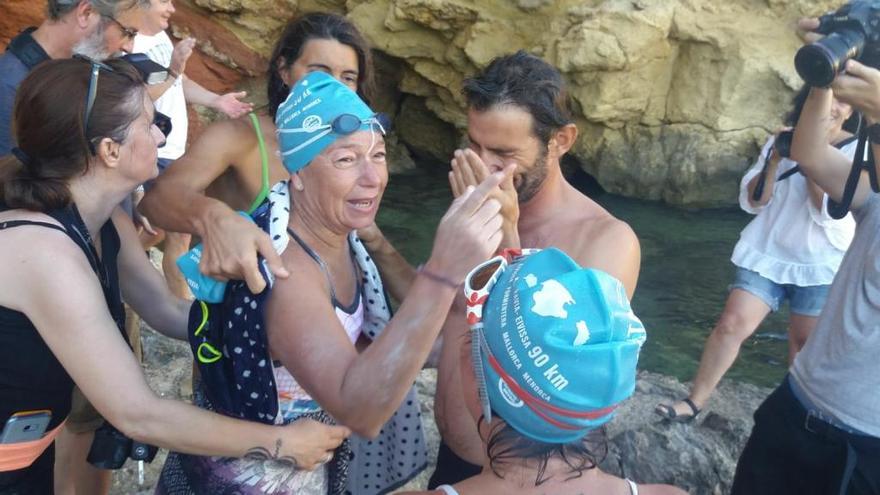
86, 139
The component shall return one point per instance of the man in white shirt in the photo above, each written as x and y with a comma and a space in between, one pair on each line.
170, 98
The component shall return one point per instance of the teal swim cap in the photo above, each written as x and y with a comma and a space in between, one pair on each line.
555, 345
318, 110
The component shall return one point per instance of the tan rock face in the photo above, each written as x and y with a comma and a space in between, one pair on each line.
673, 97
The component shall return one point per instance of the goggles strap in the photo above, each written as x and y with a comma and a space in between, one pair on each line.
307, 142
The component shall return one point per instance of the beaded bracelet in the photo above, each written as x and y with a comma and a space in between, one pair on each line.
437, 278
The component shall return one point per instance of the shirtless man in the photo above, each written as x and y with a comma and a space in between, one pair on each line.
518, 113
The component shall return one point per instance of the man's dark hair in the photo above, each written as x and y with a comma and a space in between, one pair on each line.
508, 447
524, 81
323, 27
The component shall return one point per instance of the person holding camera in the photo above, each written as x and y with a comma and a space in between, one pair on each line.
819, 431
86, 139
790, 251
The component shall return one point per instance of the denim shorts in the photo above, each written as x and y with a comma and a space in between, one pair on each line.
805, 301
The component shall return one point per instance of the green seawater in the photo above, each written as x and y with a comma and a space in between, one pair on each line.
684, 276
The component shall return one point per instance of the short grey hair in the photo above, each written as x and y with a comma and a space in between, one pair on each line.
56, 9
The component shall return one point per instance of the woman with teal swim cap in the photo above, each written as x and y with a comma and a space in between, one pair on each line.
552, 354
337, 354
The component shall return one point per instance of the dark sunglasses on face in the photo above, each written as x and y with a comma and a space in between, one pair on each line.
128, 32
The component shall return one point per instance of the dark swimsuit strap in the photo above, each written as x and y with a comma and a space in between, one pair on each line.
18, 223
350, 309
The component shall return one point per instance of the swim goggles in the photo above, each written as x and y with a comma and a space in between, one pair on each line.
343, 125
477, 286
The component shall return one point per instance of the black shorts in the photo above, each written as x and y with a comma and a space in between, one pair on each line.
451, 468
790, 451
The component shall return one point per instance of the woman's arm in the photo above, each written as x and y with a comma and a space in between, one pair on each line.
363, 390
60, 294
824, 164
769, 181
143, 287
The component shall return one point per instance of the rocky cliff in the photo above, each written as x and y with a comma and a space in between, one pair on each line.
673, 97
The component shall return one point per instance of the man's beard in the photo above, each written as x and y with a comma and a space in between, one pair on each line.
531, 181
94, 45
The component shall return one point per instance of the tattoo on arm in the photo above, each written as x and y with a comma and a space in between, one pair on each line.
263, 454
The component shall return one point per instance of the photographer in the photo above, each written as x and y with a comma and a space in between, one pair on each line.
70, 256
790, 251
819, 432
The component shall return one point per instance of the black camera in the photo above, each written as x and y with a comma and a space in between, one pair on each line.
782, 143
111, 448
150, 71
851, 32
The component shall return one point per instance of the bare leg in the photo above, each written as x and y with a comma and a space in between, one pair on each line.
742, 314
176, 244
73, 474
799, 329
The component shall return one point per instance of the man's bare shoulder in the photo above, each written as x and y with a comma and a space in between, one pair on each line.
234, 136
592, 224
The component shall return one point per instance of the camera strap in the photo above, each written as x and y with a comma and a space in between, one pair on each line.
797, 168
26, 49
839, 210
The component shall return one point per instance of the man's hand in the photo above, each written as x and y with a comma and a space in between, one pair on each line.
231, 104
859, 86
180, 55
807, 27
469, 170
371, 237
230, 248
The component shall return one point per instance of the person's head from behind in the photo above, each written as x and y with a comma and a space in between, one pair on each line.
102, 27
61, 138
518, 112
333, 145
319, 42
556, 347
155, 15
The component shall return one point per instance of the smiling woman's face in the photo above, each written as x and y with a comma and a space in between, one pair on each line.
344, 184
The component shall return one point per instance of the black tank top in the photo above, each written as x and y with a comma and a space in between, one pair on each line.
30, 375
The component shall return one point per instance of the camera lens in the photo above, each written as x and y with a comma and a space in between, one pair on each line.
820, 62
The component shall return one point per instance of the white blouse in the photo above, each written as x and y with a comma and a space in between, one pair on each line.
790, 241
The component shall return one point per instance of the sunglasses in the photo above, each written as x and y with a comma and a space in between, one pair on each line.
343, 125
160, 120
128, 32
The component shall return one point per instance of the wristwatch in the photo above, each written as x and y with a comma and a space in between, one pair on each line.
874, 133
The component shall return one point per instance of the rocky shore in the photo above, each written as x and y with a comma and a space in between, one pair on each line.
700, 457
